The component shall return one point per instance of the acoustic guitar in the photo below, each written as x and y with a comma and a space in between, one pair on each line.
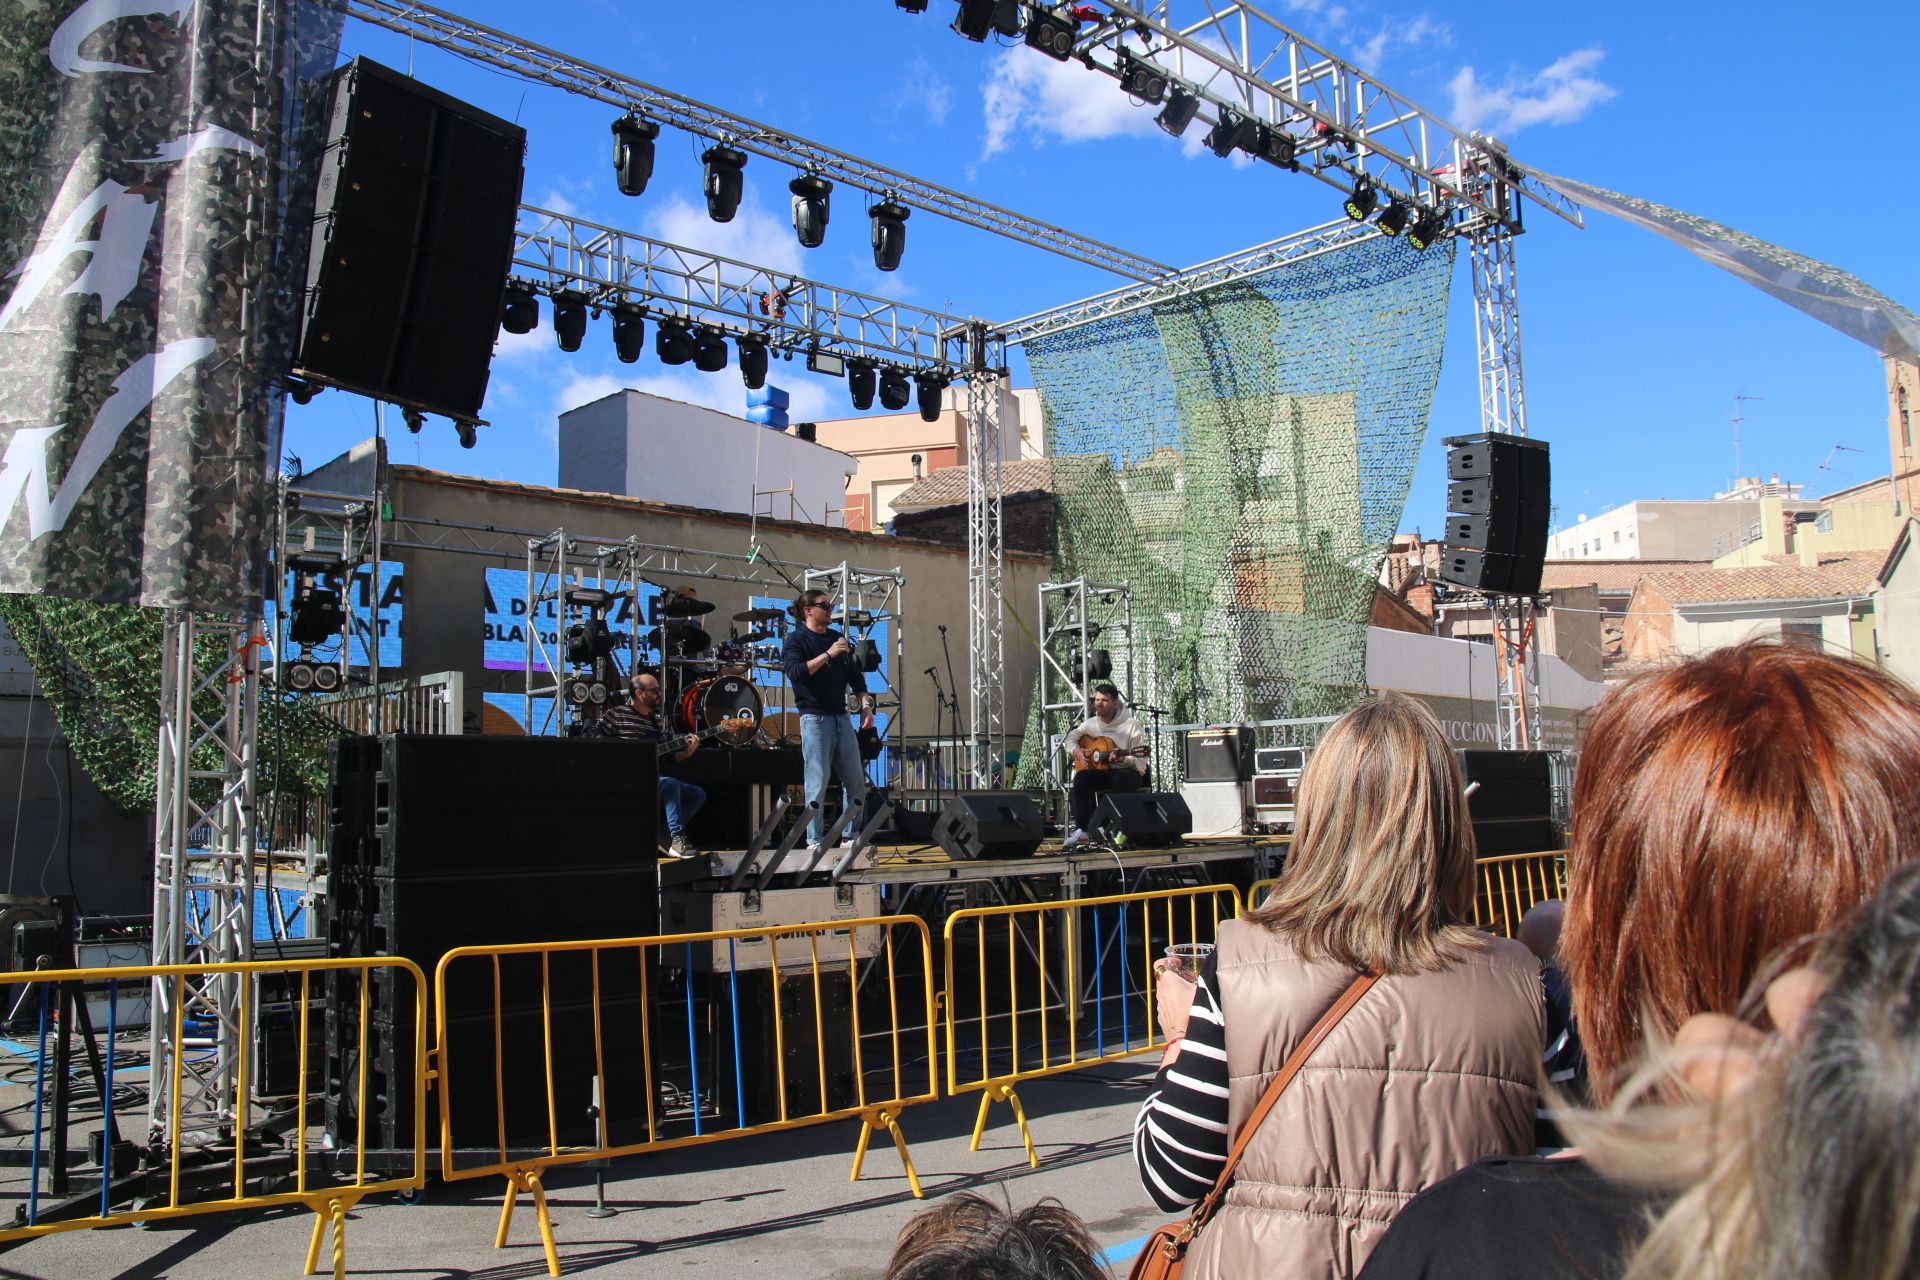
1102, 752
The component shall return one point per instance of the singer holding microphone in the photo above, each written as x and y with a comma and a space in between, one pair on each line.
820, 667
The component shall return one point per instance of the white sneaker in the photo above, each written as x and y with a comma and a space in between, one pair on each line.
682, 848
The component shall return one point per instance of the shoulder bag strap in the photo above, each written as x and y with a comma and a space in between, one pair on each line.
1288, 1070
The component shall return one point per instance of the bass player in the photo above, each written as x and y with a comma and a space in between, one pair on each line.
640, 721
1108, 755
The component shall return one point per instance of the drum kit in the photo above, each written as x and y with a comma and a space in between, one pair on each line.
710, 686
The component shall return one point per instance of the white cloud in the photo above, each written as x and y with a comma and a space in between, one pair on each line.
526, 346
925, 90
1561, 94
755, 235
557, 202
1370, 53
584, 388
1063, 100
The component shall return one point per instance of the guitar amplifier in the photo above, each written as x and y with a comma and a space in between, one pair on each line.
1217, 754
1279, 759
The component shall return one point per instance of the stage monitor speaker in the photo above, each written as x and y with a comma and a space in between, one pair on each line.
989, 824
1512, 784
1142, 819
412, 242
1499, 502
1222, 753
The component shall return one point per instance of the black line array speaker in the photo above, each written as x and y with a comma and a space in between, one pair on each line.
1512, 807
437, 842
989, 824
412, 241
1142, 819
1499, 501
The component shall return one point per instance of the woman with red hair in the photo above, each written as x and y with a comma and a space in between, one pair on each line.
1726, 812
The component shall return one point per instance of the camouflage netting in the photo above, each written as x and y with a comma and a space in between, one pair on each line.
99, 667
1241, 457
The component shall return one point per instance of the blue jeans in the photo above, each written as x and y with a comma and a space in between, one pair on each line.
830, 745
680, 800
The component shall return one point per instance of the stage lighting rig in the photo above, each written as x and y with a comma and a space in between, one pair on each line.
304, 675
893, 389
629, 331
468, 433
889, 234
673, 341
860, 381
724, 180
633, 137
1141, 81
414, 419
911, 6
314, 616
977, 18
811, 200
519, 308
1179, 112
1393, 219
1277, 147
753, 360
1052, 30
931, 388
1360, 204
569, 318
709, 350
1427, 228
302, 392
590, 639
1233, 133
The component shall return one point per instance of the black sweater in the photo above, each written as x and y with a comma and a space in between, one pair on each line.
825, 692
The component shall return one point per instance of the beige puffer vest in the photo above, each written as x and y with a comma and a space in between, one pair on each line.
1425, 1075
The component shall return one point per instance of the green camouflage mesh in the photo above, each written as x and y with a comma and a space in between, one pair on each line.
1241, 457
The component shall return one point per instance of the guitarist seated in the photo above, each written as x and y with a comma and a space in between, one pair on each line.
640, 721
1109, 754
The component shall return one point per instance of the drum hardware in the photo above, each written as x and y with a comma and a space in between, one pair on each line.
757, 637
759, 615
855, 618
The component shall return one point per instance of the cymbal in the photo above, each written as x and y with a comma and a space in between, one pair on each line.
686, 607
760, 615
755, 637
684, 637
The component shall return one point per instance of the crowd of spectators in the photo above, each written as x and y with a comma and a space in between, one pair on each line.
1724, 1022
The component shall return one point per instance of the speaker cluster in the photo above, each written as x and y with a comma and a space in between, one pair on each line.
1497, 512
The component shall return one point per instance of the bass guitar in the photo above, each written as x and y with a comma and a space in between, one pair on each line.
1100, 753
732, 724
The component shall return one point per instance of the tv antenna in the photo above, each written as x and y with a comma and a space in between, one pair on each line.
1738, 418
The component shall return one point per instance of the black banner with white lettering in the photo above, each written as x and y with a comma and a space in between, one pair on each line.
146, 298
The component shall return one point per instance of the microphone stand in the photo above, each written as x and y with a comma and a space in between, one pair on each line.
1156, 713
959, 729
939, 711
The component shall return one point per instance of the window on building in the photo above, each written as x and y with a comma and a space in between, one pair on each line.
1906, 426
1616, 537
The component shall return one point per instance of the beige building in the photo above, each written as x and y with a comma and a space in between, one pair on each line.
1702, 529
894, 450
1896, 606
1824, 600
1903, 409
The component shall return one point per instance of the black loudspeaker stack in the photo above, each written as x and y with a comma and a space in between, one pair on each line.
412, 242
989, 824
439, 842
1142, 819
1512, 808
1498, 503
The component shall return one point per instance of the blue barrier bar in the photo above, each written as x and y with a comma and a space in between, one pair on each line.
39, 1113
739, 1071
1099, 992
1126, 1033
693, 1050
106, 1103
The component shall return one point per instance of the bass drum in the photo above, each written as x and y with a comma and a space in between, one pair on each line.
708, 704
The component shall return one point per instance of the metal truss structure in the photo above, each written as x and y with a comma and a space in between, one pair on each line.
536, 63
1339, 124
203, 852
1073, 617
986, 564
580, 585
794, 314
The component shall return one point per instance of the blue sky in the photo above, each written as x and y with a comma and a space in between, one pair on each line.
1798, 133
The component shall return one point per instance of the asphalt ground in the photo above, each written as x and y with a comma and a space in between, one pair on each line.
779, 1204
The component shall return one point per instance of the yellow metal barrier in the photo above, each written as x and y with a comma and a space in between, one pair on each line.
586, 1051
1507, 886
220, 1170
1078, 977
1511, 884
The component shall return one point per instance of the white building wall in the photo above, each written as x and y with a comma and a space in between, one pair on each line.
647, 446
1896, 608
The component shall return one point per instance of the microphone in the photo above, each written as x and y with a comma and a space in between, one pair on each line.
929, 671
943, 628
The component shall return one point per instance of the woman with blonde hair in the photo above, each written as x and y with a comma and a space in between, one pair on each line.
1432, 1068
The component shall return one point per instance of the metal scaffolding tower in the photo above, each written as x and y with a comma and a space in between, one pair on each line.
203, 874
1078, 620
986, 560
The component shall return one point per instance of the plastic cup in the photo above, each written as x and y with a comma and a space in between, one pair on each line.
1184, 958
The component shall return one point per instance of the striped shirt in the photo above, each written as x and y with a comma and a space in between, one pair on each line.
1180, 1139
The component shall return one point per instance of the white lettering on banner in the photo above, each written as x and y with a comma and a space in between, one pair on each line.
64, 49
211, 139
113, 261
24, 469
